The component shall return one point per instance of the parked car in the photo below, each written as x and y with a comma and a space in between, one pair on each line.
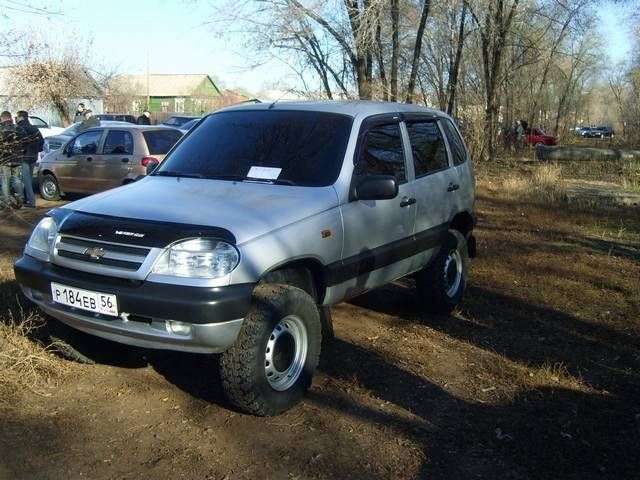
177, 121
45, 129
602, 131
257, 221
185, 127
537, 136
119, 117
103, 157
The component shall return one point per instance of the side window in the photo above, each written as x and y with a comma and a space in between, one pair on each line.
382, 153
455, 142
86, 143
118, 143
427, 146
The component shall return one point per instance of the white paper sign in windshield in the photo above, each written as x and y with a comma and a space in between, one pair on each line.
264, 173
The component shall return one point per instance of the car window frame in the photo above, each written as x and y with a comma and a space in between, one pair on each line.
84, 132
448, 152
104, 142
452, 162
45, 124
378, 121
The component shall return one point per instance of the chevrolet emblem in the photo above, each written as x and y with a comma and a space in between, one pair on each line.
95, 253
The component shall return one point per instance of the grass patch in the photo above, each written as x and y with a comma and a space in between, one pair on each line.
542, 185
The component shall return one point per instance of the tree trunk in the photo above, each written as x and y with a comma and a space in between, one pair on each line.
416, 51
453, 75
395, 47
380, 54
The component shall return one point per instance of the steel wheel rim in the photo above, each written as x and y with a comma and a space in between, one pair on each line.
49, 188
287, 345
453, 273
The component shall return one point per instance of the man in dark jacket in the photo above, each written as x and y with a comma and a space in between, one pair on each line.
32, 143
145, 118
79, 116
10, 153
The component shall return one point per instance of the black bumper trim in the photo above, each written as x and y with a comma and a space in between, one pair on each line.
198, 305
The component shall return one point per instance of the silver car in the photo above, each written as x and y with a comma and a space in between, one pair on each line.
103, 157
260, 219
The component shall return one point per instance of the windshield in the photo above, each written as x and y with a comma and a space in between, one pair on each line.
288, 147
71, 130
189, 124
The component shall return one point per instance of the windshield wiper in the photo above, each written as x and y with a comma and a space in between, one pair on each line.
174, 173
223, 176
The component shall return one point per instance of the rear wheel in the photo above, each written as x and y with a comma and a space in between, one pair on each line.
270, 366
49, 189
441, 285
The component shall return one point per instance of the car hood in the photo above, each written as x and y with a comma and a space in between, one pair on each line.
246, 209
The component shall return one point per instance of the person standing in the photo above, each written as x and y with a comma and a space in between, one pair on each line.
79, 116
32, 143
89, 121
519, 135
145, 118
10, 153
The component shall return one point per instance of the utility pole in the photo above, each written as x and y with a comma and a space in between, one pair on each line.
148, 97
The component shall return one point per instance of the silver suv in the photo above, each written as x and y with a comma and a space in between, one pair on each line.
257, 221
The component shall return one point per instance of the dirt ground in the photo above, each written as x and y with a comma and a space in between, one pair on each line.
536, 375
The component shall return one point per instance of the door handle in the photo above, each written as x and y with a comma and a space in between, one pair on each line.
453, 187
406, 201
89, 159
125, 160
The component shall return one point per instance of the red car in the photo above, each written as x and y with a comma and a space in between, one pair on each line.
536, 136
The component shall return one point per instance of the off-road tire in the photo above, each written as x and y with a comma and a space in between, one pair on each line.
49, 189
242, 367
434, 284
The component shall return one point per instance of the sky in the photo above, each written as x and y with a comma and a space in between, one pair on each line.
172, 36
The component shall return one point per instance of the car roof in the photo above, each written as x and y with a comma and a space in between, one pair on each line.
352, 108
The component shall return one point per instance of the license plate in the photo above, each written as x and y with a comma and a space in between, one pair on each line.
85, 299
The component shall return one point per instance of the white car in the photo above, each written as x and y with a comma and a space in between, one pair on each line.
45, 129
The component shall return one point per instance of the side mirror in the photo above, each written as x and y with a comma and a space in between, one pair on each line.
376, 187
67, 150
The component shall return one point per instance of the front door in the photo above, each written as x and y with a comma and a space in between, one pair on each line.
73, 164
110, 168
377, 232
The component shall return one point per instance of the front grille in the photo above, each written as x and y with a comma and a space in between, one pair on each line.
93, 252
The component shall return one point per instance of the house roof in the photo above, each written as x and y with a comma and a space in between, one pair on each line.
167, 85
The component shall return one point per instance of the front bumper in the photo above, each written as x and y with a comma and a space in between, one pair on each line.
153, 315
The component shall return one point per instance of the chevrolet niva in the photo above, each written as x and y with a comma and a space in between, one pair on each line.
257, 221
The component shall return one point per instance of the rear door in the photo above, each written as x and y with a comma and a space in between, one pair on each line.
436, 184
465, 195
73, 166
111, 167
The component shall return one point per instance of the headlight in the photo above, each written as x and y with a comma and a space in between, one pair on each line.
41, 240
198, 258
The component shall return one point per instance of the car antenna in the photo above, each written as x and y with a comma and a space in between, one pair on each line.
278, 99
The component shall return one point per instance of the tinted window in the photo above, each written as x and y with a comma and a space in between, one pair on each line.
86, 143
118, 142
427, 145
382, 153
303, 148
160, 142
176, 121
455, 142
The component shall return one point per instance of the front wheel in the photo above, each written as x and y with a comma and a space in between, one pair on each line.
271, 364
441, 285
49, 189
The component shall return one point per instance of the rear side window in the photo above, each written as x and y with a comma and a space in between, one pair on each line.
455, 142
427, 146
159, 142
382, 153
118, 142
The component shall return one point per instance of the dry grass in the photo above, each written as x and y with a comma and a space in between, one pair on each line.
26, 366
542, 185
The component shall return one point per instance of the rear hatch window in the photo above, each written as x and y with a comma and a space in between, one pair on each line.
159, 142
